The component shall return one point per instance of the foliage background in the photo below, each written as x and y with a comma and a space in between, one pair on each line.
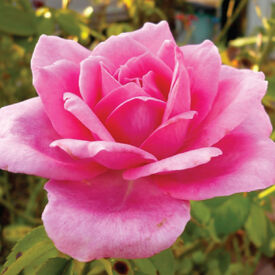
226, 235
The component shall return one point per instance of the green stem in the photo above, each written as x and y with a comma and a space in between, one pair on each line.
231, 21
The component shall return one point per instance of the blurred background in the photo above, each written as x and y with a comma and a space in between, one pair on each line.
230, 235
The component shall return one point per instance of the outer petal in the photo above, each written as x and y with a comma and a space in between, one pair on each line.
76, 106
107, 104
135, 119
247, 164
51, 83
112, 155
152, 35
50, 49
239, 92
110, 217
168, 138
175, 163
203, 63
25, 136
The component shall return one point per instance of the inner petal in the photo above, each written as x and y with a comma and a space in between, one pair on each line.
134, 120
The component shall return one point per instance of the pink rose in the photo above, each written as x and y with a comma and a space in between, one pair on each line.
130, 132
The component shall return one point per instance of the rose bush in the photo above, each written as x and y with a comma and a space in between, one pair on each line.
130, 132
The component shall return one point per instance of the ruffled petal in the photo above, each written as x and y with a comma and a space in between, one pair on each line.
112, 155
50, 49
51, 83
168, 138
110, 217
76, 106
135, 119
173, 164
107, 104
203, 63
25, 136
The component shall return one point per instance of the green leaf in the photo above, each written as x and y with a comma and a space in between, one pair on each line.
16, 21
15, 232
28, 251
256, 225
231, 215
200, 212
56, 266
145, 266
164, 262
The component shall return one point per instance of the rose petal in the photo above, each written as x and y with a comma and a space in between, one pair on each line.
203, 63
247, 164
110, 217
175, 163
112, 155
239, 91
167, 53
51, 82
25, 136
50, 49
134, 120
137, 67
168, 138
152, 85
179, 95
152, 35
118, 50
107, 104
76, 106
94, 81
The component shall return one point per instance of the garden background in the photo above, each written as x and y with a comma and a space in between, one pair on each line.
226, 235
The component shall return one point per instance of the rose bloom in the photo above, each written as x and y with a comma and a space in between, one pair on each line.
130, 132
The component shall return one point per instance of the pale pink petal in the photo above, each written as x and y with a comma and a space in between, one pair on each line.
107, 104
112, 155
167, 53
247, 163
25, 136
239, 92
152, 35
94, 80
110, 217
168, 138
179, 95
137, 67
152, 84
76, 106
51, 82
50, 49
203, 63
173, 164
118, 50
135, 119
